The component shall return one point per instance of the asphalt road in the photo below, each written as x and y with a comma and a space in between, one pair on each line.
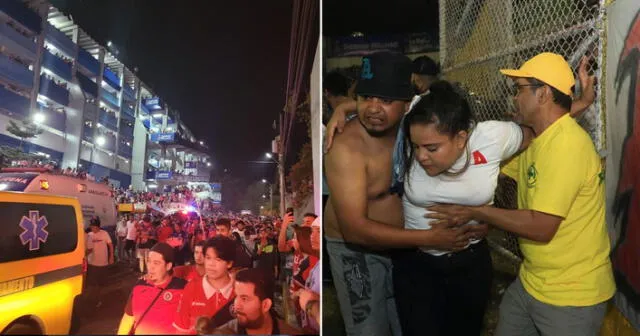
105, 319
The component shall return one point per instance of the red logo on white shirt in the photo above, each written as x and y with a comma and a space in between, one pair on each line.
478, 158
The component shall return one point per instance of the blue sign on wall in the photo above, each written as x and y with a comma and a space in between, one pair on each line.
216, 186
153, 103
163, 137
163, 175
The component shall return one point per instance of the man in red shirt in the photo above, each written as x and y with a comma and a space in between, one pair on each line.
164, 231
195, 271
214, 294
154, 299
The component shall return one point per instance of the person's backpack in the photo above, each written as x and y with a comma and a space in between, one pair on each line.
244, 258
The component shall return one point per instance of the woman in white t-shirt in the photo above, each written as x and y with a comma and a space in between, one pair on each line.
448, 158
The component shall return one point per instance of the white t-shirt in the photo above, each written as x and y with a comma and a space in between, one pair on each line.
98, 242
132, 233
122, 228
490, 143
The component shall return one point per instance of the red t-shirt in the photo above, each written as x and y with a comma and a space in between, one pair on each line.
187, 272
164, 232
302, 266
158, 319
194, 304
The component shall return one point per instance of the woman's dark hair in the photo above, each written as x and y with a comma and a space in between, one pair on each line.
336, 83
237, 236
444, 107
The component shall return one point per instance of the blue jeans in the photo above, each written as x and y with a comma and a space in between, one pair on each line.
363, 281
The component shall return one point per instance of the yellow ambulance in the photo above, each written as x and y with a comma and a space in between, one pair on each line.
42, 264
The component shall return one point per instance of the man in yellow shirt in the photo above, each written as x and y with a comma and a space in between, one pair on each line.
566, 277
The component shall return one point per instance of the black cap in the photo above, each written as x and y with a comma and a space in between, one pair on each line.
166, 250
385, 75
424, 65
95, 221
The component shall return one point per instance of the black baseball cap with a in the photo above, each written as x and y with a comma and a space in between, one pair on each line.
95, 221
385, 75
424, 65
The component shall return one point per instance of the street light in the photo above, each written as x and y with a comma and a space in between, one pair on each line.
100, 141
264, 181
280, 166
39, 117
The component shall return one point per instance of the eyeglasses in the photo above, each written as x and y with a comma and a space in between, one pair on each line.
515, 89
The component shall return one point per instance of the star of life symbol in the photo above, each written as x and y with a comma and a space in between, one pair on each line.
34, 230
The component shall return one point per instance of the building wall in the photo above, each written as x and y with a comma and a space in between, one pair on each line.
66, 139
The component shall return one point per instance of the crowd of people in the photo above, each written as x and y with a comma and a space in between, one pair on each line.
59, 55
220, 273
15, 58
412, 229
110, 114
57, 82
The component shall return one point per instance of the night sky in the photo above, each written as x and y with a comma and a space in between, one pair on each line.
222, 64
341, 18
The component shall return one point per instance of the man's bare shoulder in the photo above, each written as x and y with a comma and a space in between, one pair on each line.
350, 141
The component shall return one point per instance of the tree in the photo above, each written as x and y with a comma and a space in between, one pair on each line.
303, 113
301, 176
8, 154
28, 130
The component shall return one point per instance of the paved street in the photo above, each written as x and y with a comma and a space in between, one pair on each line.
106, 318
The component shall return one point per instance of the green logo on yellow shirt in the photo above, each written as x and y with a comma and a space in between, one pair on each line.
601, 177
532, 176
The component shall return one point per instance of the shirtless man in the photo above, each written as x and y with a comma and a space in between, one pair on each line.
361, 214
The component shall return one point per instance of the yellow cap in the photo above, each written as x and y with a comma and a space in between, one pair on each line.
549, 68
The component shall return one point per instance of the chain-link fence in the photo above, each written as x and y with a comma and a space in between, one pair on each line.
479, 37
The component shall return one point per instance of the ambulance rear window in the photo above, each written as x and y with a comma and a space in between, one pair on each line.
30, 230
